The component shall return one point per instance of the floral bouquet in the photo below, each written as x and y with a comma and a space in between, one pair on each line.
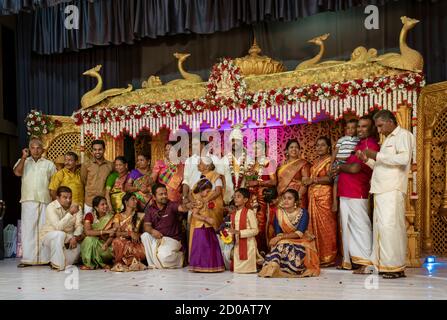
226, 237
38, 124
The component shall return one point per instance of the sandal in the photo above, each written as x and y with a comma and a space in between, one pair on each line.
84, 267
393, 275
363, 270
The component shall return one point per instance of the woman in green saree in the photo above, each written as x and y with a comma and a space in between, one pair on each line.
96, 251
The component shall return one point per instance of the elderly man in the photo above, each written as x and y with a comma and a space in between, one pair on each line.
61, 235
36, 173
69, 176
353, 190
389, 185
162, 226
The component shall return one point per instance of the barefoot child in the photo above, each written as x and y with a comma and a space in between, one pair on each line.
344, 148
244, 227
205, 255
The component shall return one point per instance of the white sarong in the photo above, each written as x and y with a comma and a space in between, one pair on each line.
164, 253
54, 251
389, 232
33, 217
356, 231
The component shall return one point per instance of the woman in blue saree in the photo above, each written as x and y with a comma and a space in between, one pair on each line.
292, 250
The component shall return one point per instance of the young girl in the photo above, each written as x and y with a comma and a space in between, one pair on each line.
205, 255
244, 227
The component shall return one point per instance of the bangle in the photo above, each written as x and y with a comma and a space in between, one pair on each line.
100, 232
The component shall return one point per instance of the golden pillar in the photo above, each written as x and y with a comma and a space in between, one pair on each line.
428, 241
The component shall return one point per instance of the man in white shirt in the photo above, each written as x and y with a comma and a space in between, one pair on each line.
391, 166
61, 234
36, 173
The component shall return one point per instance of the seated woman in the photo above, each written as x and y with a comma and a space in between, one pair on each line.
127, 247
115, 184
96, 251
293, 252
139, 181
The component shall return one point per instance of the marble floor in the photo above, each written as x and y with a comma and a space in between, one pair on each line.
429, 282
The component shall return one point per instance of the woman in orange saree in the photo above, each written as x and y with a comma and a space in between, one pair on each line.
292, 171
127, 247
293, 251
322, 221
169, 174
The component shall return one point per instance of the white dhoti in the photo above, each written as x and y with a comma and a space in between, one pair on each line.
54, 251
33, 217
164, 253
356, 231
389, 232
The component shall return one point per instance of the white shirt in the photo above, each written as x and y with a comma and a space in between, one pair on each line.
191, 173
36, 179
59, 219
393, 162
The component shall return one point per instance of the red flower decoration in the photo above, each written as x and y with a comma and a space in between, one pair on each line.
211, 205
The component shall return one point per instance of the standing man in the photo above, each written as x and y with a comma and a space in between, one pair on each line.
36, 173
389, 186
61, 234
69, 176
163, 233
94, 174
354, 184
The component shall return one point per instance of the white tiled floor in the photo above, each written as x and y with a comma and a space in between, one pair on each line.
44, 283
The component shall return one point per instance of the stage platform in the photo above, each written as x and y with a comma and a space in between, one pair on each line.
429, 282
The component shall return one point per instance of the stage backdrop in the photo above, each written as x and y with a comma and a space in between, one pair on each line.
54, 84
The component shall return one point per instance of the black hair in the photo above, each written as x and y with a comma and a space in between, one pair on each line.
62, 189
101, 142
72, 154
244, 192
203, 185
353, 121
385, 115
96, 201
289, 143
122, 159
295, 194
126, 198
157, 186
270, 194
327, 140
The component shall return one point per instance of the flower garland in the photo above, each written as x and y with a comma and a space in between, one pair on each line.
38, 124
261, 99
225, 70
235, 177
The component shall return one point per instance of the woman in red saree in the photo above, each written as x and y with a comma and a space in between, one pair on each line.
169, 174
261, 174
292, 171
322, 221
127, 247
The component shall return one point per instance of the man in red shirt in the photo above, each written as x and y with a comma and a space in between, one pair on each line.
162, 236
353, 190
